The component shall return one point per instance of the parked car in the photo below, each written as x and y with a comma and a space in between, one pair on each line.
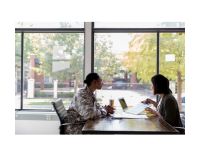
119, 84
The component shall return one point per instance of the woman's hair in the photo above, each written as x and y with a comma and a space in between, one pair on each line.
160, 84
90, 77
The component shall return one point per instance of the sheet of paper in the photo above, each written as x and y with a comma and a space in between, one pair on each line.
121, 114
140, 107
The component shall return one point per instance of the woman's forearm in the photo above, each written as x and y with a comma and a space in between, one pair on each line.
154, 103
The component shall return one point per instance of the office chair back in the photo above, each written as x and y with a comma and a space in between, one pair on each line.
67, 119
60, 110
181, 130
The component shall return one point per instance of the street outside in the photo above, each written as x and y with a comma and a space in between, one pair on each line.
131, 97
103, 96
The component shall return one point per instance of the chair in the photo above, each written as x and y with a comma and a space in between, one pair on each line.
181, 130
60, 110
63, 117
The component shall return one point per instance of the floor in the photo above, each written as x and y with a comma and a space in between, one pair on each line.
36, 123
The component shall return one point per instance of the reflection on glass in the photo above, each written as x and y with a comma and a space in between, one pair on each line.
126, 62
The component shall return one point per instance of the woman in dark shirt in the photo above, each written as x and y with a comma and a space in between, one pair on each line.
167, 107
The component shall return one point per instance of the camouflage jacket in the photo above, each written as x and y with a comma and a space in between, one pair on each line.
86, 105
83, 107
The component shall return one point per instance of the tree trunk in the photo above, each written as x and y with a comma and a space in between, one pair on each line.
134, 80
126, 75
179, 90
41, 78
70, 82
42, 85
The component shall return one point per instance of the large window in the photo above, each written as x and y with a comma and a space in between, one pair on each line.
52, 68
126, 63
126, 55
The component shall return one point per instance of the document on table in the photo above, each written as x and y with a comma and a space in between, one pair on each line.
121, 114
140, 107
128, 116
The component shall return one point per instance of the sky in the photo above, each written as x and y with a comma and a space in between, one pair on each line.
120, 42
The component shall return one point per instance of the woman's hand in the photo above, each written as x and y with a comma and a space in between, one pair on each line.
147, 101
151, 112
150, 101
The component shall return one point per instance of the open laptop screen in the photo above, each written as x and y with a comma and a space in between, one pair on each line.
123, 103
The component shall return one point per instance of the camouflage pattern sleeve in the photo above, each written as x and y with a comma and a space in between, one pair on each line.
87, 110
86, 105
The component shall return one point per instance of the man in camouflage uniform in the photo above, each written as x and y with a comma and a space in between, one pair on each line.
84, 106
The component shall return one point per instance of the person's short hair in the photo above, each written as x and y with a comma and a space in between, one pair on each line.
90, 77
160, 84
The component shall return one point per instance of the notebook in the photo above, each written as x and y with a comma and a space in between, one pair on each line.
140, 107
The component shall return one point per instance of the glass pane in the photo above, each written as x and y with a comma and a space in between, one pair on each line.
172, 63
53, 68
17, 70
139, 25
49, 25
126, 62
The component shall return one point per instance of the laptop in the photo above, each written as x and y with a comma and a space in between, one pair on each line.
140, 107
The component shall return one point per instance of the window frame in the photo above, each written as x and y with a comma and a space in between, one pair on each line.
89, 32
142, 30
38, 30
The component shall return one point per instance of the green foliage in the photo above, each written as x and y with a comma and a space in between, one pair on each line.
73, 43
17, 50
41, 45
105, 64
172, 43
39, 94
141, 58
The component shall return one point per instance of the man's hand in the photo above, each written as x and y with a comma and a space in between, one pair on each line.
109, 109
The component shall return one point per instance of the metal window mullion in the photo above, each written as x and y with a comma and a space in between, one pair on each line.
97, 30
92, 48
22, 69
88, 53
49, 30
157, 55
158, 58
137, 30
